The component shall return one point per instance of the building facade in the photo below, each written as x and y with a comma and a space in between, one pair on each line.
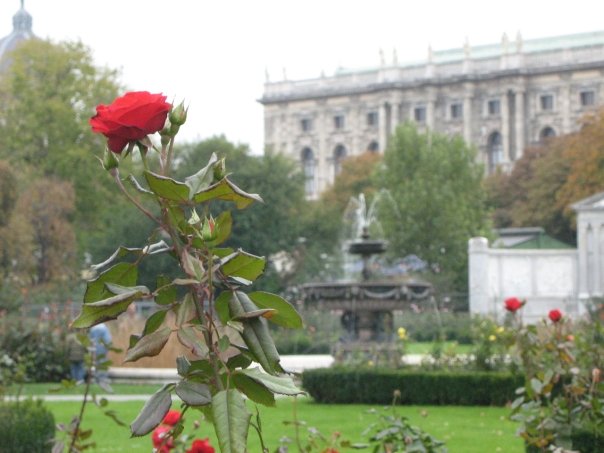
501, 98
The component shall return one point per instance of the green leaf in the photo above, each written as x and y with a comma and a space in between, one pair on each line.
264, 313
283, 385
149, 345
188, 338
227, 191
182, 365
154, 322
135, 184
536, 385
223, 343
192, 266
285, 315
167, 294
194, 393
255, 333
258, 393
119, 253
104, 310
124, 274
221, 305
119, 289
186, 310
203, 178
153, 412
231, 421
166, 187
244, 265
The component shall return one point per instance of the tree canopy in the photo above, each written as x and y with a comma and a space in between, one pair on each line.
548, 179
437, 188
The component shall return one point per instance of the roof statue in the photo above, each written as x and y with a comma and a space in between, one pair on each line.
22, 31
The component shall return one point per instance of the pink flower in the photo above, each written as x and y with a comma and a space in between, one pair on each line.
555, 315
171, 418
513, 304
201, 446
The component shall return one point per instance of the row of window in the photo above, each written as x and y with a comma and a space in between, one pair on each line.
493, 108
309, 164
339, 122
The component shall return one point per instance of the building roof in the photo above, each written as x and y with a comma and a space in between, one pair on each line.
505, 47
592, 203
527, 238
22, 31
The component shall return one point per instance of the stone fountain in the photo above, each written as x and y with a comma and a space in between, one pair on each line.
366, 305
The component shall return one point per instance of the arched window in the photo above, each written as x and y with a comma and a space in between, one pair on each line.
309, 168
546, 132
339, 154
494, 151
373, 147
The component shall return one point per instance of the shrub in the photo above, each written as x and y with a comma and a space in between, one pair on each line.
376, 386
26, 427
430, 326
38, 351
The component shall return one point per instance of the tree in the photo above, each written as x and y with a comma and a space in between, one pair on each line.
354, 179
47, 96
440, 202
549, 178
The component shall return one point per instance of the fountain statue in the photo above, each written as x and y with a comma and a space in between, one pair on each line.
366, 305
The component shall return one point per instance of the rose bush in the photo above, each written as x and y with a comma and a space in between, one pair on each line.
228, 354
555, 315
130, 118
201, 446
513, 304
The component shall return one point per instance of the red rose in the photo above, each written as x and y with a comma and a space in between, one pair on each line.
171, 418
201, 446
555, 315
513, 304
130, 118
159, 440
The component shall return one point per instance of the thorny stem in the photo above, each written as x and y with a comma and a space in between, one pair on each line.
76, 430
170, 153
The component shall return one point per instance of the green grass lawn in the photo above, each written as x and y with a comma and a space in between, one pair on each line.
464, 429
56, 389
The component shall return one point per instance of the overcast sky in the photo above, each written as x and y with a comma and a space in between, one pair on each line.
214, 54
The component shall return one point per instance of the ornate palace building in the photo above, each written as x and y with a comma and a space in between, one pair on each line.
22, 30
501, 98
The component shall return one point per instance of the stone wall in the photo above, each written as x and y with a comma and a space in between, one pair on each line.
547, 279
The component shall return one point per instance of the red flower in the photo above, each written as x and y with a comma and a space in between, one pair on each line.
201, 446
513, 304
330, 450
171, 418
159, 440
130, 118
555, 315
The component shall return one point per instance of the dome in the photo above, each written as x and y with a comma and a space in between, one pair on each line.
22, 31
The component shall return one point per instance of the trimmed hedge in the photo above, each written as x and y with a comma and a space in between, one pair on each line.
26, 427
376, 386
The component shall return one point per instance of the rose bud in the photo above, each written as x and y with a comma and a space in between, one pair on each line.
178, 114
595, 375
219, 170
208, 230
110, 160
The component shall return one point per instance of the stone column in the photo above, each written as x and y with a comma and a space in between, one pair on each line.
395, 116
564, 104
467, 116
478, 272
322, 152
430, 106
505, 129
383, 126
520, 134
